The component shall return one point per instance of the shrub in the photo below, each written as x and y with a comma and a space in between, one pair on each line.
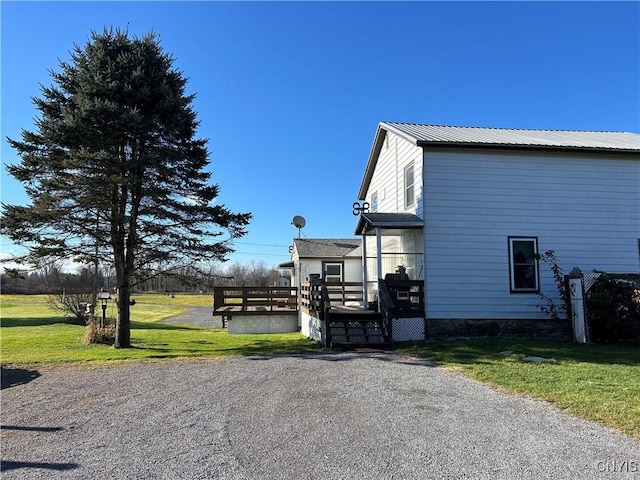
94, 333
613, 308
553, 310
72, 305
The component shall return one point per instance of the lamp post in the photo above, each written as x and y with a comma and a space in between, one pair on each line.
104, 297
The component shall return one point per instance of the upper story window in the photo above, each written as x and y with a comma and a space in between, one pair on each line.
523, 264
374, 202
409, 186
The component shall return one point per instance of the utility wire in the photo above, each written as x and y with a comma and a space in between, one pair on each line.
262, 244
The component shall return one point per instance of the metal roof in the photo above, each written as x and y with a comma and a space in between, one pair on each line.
326, 247
438, 136
367, 221
425, 135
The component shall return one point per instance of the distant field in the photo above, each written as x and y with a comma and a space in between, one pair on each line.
179, 299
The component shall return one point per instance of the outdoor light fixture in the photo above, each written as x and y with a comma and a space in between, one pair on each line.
104, 297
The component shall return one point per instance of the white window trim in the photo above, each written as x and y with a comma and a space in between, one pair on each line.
324, 272
408, 204
375, 200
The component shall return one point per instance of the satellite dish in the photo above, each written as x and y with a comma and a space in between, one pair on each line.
298, 221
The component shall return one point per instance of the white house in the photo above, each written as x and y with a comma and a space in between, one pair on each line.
336, 260
467, 209
283, 281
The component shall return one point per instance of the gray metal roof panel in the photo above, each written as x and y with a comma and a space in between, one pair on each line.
326, 247
513, 137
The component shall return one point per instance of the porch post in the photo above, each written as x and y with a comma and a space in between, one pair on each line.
379, 258
379, 248
365, 275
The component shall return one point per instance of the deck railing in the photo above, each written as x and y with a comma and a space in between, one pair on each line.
249, 299
316, 292
345, 293
402, 298
314, 298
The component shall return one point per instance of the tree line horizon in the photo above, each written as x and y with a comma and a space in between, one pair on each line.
84, 279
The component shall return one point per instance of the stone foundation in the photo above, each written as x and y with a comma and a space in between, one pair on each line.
486, 327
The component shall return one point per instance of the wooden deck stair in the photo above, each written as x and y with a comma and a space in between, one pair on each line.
350, 328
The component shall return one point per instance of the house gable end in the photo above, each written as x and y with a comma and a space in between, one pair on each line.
376, 148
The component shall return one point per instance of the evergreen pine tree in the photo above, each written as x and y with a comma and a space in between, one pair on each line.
114, 170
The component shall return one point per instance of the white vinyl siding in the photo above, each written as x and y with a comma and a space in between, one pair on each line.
351, 272
388, 177
585, 208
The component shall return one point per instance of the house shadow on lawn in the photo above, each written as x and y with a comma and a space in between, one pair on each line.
12, 377
489, 350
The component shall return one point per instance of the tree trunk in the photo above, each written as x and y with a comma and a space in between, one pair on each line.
123, 321
123, 284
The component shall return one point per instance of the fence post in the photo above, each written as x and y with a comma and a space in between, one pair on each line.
575, 286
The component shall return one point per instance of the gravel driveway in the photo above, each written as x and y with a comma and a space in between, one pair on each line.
325, 416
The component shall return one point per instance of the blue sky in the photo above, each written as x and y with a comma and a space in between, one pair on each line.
290, 93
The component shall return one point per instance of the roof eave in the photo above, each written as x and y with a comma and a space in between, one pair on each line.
510, 146
372, 161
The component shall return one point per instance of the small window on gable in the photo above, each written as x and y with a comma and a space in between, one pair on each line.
332, 272
374, 202
409, 186
523, 264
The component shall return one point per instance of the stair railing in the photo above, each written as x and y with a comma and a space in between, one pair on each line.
387, 309
321, 304
319, 298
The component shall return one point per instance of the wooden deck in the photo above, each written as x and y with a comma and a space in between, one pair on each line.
228, 301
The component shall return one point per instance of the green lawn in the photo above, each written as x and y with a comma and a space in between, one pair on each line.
33, 334
598, 382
